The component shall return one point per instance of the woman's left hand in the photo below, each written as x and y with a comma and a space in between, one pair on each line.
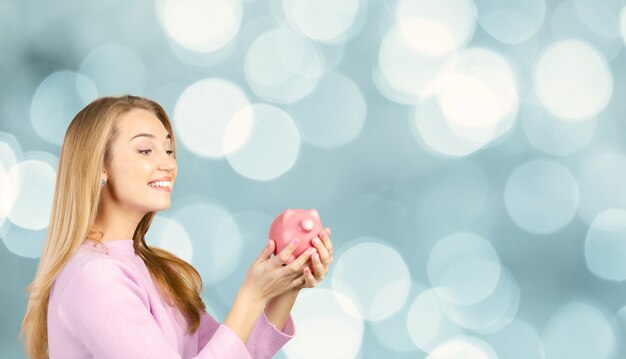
321, 260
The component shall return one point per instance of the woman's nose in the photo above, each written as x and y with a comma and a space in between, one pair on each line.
167, 162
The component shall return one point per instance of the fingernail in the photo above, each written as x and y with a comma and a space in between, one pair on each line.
312, 250
324, 234
316, 256
316, 241
296, 241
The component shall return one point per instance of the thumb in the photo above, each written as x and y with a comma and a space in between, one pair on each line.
267, 251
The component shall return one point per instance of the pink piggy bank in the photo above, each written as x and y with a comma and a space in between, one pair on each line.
295, 223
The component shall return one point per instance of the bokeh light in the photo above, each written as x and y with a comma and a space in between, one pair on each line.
31, 184
573, 80
59, 97
431, 129
518, 340
511, 21
587, 21
168, 234
333, 115
427, 323
463, 347
215, 239
200, 25
554, 136
272, 146
282, 66
392, 332
203, 113
464, 267
457, 17
376, 294
541, 196
326, 329
599, 17
404, 72
605, 247
579, 330
324, 21
600, 178
491, 314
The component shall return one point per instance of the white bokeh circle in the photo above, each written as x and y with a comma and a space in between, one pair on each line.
321, 318
272, 145
605, 245
464, 267
200, 25
283, 66
541, 196
572, 80
203, 113
377, 294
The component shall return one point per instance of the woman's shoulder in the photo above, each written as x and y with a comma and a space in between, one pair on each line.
93, 265
93, 283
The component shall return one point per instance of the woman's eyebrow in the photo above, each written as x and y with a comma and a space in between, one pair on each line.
168, 137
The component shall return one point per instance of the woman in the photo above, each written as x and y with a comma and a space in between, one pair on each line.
100, 291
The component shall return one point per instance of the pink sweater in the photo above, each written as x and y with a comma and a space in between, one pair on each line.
106, 306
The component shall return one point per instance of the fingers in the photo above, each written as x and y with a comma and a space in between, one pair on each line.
297, 264
321, 244
328, 245
306, 280
319, 268
321, 255
309, 279
285, 253
266, 252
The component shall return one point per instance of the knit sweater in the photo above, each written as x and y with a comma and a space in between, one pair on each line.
104, 304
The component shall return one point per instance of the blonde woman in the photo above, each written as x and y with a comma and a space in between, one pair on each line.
101, 292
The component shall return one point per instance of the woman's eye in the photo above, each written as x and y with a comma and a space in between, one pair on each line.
169, 152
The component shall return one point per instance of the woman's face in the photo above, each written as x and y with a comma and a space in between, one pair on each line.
140, 154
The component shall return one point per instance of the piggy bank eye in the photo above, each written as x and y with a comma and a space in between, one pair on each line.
307, 225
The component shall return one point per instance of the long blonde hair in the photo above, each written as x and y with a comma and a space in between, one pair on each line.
85, 150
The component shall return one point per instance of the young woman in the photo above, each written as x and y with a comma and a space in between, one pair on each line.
101, 292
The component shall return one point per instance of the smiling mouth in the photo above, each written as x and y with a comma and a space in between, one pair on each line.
161, 186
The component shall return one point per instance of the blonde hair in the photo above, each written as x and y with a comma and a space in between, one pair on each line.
85, 150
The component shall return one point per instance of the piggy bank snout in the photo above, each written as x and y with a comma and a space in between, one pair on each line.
307, 225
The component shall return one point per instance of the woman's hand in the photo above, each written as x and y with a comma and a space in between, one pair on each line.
279, 307
270, 277
321, 261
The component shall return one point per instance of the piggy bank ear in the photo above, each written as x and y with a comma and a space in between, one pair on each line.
288, 214
314, 213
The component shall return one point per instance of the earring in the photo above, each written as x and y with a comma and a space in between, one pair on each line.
103, 181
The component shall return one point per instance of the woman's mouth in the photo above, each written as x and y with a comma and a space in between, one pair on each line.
161, 186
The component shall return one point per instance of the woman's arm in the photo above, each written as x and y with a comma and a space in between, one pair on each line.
243, 314
278, 309
265, 277
264, 339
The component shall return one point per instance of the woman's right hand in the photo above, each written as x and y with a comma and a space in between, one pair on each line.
269, 276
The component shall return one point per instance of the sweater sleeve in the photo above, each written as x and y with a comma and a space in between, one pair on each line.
107, 310
264, 340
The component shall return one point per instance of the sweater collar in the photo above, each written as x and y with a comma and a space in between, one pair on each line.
115, 246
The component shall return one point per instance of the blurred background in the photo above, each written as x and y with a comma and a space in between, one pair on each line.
469, 157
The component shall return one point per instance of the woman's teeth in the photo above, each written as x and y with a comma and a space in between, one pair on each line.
160, 184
